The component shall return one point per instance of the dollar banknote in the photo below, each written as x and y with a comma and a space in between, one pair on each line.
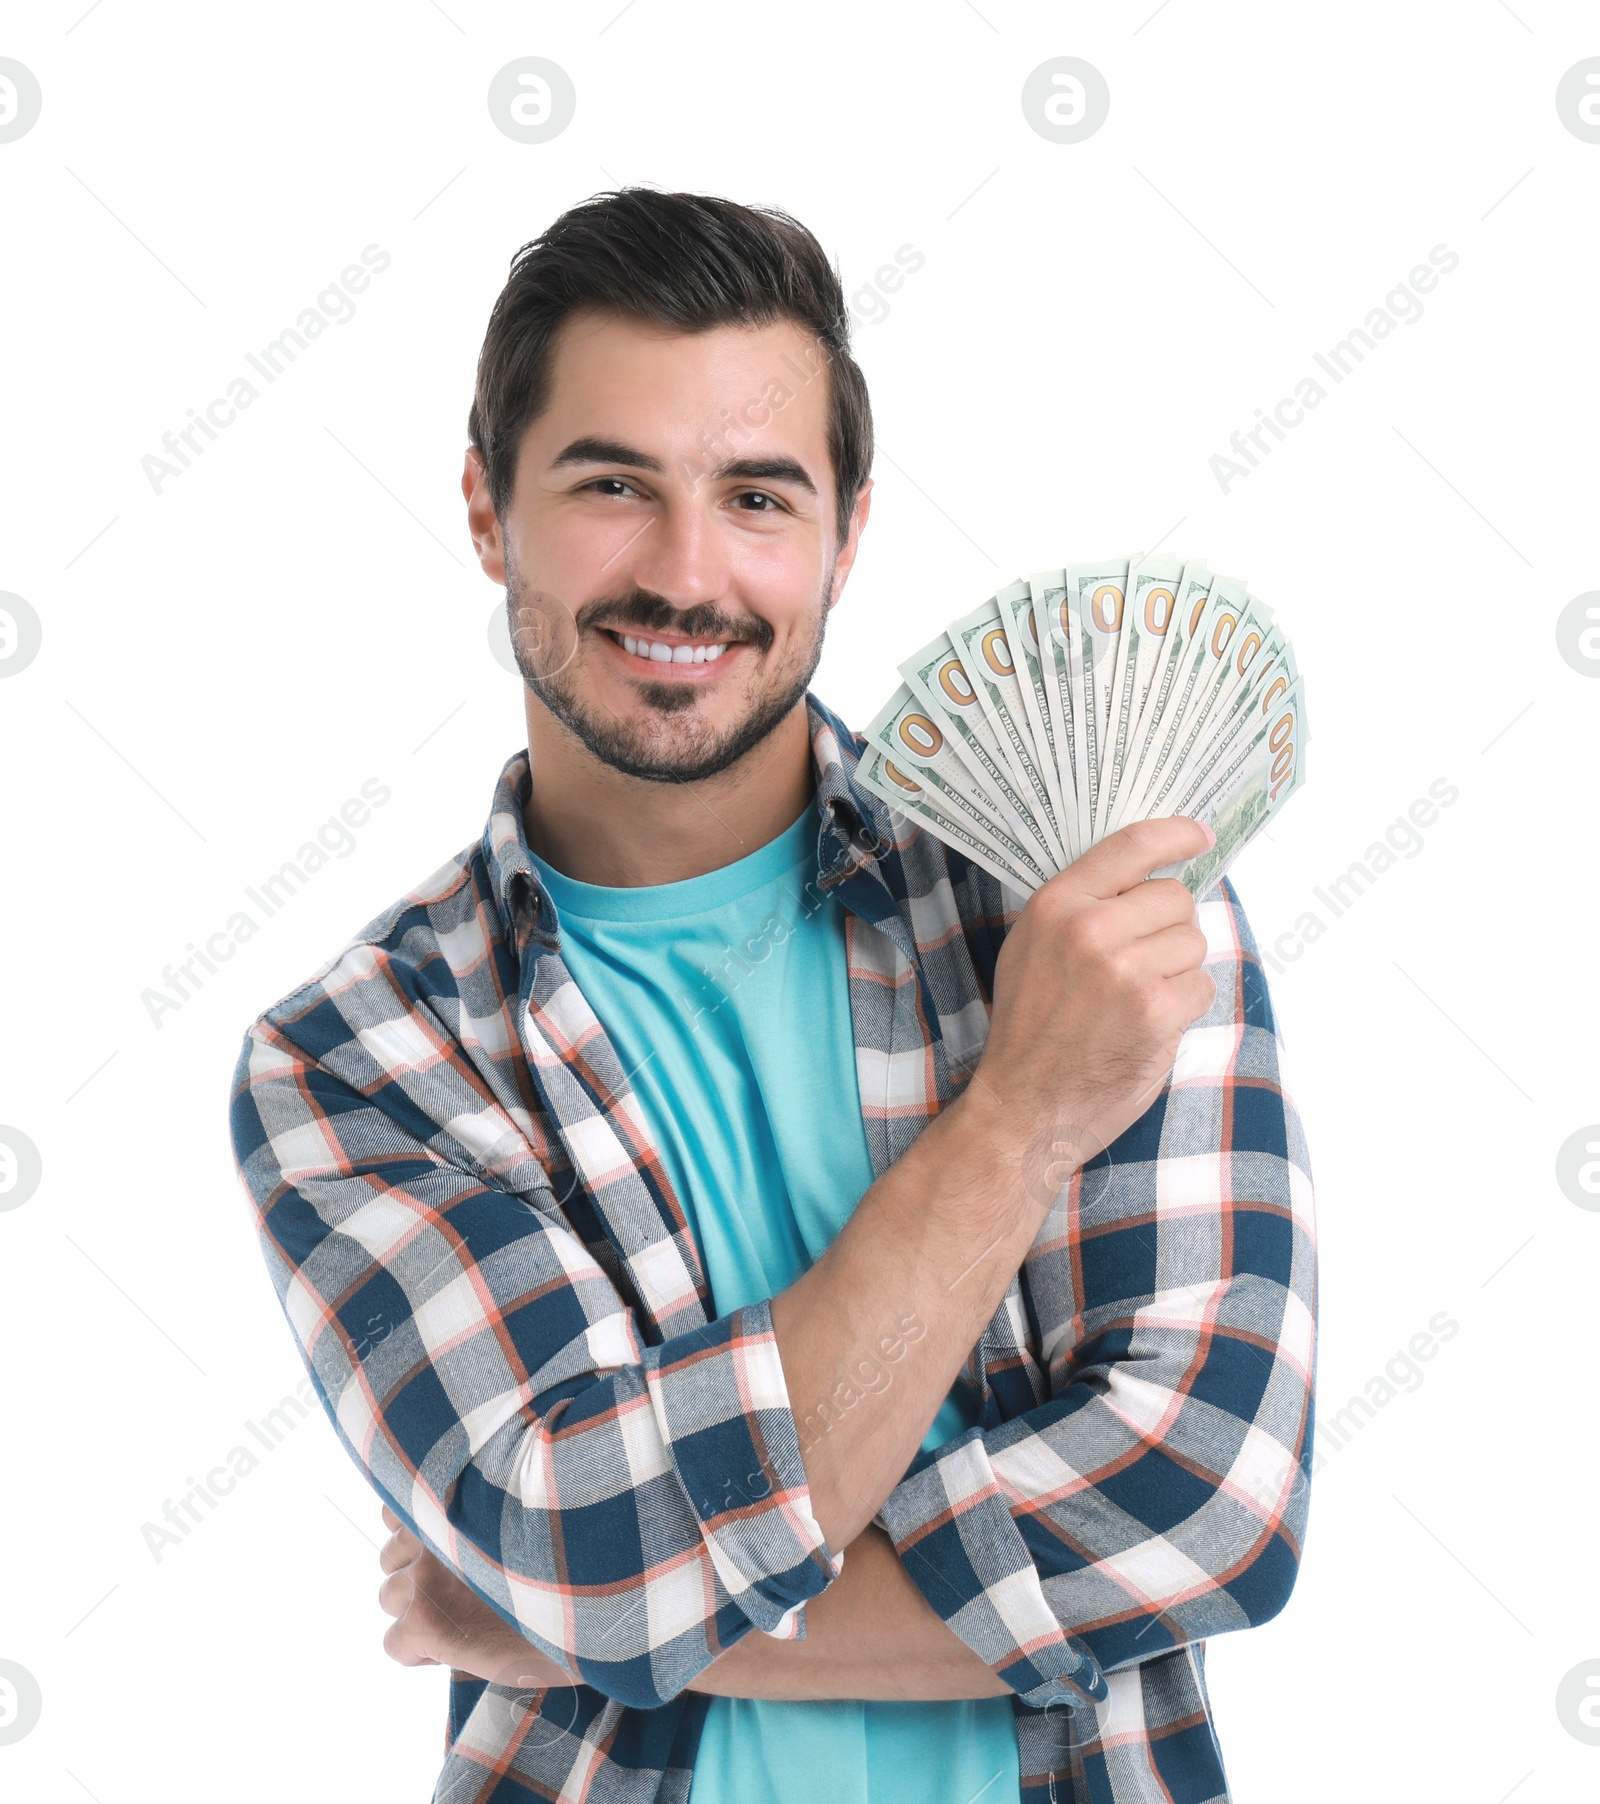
1096, 593
1052, 616
1087, 696
902, 792
1021, 618
1194, 591
949, 693
984, 646
1148, 609
915, 743
1260, 777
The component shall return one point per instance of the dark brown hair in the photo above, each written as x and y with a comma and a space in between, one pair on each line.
686, 261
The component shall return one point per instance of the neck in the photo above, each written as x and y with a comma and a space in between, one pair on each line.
597, 825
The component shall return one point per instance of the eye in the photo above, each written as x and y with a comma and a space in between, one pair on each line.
774, 504
618, 482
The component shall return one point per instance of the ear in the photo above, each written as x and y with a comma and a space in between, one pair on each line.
847, 552
481, 520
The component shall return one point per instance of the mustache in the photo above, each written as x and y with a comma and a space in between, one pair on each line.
644, 613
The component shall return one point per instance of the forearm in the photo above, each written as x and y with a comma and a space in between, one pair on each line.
872, 1337
871, 1634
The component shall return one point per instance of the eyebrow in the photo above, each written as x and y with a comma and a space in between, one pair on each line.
590, 450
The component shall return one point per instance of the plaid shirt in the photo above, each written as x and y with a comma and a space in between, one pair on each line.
497, 1295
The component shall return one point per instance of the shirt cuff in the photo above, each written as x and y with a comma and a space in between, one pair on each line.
952, 1526
721, 1405
791, 1626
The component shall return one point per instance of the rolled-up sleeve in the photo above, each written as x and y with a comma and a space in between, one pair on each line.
633, 1510
1158, 1493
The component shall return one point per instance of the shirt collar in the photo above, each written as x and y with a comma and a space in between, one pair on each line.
848, 836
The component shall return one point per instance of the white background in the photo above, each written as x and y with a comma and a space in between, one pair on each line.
225, 662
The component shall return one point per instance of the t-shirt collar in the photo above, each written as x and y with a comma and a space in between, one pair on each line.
847, 839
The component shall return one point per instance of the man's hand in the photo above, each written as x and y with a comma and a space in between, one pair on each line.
440, 1621
1094, 985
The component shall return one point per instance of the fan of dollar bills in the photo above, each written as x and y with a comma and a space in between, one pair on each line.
1082, 699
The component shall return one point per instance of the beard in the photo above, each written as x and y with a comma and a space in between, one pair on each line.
545, 637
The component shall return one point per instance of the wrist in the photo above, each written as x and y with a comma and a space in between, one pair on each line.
745, 1670
972, 1169
1023, 1149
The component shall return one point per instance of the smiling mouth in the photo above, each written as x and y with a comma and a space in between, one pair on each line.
651, 651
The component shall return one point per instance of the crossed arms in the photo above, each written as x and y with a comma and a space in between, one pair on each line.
631, 1512
871, 1634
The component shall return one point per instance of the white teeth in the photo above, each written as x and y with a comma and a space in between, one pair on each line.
658, 653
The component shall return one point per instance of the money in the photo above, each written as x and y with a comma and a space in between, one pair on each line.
1096, 593
1148, 609
885, 779
915, 744
1194, 591
981, 640
1088, 696
1259, 780
948, 695
1053, 628
1015, 603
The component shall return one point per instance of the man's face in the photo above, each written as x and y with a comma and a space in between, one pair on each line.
676, 496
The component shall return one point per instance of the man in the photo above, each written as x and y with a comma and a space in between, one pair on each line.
709, 1204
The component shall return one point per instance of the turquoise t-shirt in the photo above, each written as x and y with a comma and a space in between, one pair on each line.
727, 999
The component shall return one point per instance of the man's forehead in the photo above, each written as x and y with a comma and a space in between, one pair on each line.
751, 399
769, 370
586, 326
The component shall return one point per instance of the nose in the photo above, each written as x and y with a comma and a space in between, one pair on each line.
677, 555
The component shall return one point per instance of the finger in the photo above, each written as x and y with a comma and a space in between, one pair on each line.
1129, 855
396, 1594
397, 1645
1195, 991
390, 1519
1175, 950
1152, 906
401, 1549
442, 1592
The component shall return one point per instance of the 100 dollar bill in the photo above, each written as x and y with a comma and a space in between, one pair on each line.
884, 778
985, 649
1267, 770
939, 679
907, 735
